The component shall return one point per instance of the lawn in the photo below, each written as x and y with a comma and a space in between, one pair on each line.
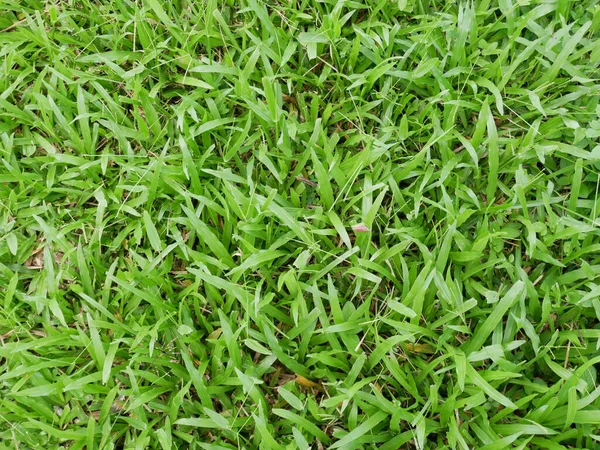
299, 224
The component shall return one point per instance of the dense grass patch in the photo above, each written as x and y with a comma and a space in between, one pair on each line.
299, 224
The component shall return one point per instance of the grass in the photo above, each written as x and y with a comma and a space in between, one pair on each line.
299, 224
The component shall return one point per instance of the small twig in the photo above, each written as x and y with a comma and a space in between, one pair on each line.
14, 25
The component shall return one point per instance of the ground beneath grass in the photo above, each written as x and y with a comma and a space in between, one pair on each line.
299, 224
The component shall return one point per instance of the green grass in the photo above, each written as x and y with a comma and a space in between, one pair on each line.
299, 224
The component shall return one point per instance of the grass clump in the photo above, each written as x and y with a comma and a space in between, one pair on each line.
299, 224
